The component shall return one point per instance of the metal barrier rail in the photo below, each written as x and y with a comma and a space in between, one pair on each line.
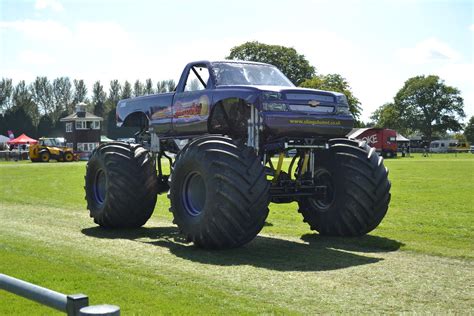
72, 305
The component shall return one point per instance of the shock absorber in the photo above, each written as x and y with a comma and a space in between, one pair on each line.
304, 167
279, 165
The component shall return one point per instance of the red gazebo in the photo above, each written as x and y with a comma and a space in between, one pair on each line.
22, 140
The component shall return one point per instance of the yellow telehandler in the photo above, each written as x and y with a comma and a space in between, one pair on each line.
50, 148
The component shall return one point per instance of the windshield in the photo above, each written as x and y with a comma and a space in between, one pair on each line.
249, 74
53, 142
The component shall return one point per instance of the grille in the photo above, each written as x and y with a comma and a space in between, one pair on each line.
308, 97
310, 109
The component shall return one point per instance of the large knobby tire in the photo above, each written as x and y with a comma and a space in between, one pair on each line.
219, 193
358, 190
120, 185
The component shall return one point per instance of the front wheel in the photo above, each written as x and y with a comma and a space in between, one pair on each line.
218, 193
357, 190
120, 185
68, 156
45, 156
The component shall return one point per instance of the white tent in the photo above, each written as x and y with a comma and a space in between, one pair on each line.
4, 139
401, 138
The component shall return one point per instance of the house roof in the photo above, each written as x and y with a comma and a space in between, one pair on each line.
87, 116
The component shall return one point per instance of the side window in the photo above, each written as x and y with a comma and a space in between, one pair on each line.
197, 78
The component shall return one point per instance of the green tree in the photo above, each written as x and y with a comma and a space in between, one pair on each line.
6, 90
170, 85
293, 65
149, 87
428, 105
138, 88
98, 99
80, 92
388, 116
469, 131
42, 92
115, 92
19, 122
45, 126
23, 98
126, 91
335, 82
63, 98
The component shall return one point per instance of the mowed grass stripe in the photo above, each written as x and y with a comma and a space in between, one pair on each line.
270, 275
431, 210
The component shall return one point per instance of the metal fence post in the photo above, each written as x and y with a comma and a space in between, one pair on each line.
75, 302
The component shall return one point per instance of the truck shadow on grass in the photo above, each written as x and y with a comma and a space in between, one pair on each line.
316, 253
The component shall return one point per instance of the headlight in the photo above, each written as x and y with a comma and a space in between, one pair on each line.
272, 106
342, 104
342, 100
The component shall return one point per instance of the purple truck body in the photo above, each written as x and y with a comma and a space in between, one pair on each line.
208, 95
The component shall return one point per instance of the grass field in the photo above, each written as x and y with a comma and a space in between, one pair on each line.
419, 260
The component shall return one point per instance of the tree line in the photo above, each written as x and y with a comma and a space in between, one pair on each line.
424, 105
36, 108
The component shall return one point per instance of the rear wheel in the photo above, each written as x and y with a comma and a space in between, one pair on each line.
357, 194
68, 156
219, 193
120, 185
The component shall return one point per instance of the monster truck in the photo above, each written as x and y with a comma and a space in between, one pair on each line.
225, 132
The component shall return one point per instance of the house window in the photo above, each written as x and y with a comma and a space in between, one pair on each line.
87, 124
95, 124
87, 147
69, 127
80, 124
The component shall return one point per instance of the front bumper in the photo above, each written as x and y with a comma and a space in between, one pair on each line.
287, 124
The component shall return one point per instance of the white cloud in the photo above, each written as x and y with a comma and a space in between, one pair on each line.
426, 51
471, 27
38, 30
54, 5
460, 76
35, 58
102, 35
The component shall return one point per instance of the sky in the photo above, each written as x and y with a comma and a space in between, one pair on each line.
375, 45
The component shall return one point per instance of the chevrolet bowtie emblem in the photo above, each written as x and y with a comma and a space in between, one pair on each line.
313, 103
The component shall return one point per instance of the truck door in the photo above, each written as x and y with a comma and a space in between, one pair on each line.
192, 101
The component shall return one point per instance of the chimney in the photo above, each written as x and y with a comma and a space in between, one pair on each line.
81, 109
